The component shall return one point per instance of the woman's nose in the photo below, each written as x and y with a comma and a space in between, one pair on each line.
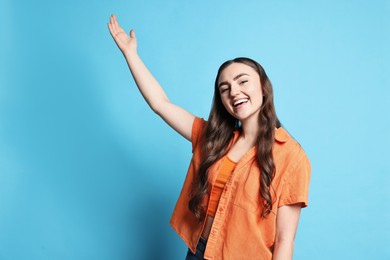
234, 90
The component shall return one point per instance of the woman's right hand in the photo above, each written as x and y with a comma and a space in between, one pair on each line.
125, 42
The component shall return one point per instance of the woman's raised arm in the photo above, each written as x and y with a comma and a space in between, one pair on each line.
178, 118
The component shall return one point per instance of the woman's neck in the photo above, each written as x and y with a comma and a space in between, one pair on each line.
250, 131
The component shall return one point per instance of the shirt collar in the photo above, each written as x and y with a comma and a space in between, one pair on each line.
281, 135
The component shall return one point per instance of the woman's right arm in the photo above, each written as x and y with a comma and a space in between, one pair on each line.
178, 118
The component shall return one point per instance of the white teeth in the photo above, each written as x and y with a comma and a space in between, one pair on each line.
240, 101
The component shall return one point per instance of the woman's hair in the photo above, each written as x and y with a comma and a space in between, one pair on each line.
219, 131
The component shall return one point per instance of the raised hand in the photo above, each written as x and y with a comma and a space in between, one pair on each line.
125, 42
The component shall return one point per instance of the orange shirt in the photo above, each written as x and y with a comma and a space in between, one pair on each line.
239, 231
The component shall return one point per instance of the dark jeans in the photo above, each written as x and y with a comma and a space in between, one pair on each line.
200, 248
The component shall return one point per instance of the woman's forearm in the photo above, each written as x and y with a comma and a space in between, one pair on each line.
146, 83
283, 250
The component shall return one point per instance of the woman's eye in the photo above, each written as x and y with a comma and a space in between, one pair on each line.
223, 90
243, 82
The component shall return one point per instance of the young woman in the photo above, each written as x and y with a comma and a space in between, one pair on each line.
247, 180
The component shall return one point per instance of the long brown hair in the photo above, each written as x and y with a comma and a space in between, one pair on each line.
219, 131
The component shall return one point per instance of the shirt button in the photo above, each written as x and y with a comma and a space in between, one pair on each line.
220, 209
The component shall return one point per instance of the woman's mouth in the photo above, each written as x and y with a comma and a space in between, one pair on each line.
239, 102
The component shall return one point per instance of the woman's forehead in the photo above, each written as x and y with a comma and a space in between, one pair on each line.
234, 69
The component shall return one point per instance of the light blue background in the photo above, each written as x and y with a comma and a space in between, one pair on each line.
87, 171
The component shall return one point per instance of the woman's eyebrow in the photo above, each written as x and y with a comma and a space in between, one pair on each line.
234, 79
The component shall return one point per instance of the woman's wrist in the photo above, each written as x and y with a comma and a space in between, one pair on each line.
131, 55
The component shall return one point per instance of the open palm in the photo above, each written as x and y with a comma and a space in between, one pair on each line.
126, 43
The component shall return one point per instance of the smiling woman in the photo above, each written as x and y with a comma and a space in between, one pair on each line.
247, 180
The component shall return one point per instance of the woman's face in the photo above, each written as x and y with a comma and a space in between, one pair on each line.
241, 92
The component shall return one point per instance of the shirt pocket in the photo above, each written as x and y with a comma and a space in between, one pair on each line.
248, 192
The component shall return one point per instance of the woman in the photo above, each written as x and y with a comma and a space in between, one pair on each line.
247, 180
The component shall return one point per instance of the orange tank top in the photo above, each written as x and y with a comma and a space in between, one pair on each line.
224, 173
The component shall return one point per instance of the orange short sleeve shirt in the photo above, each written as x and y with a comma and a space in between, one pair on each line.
239, 231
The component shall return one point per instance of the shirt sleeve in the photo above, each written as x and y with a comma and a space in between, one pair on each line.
197, 129
295, 187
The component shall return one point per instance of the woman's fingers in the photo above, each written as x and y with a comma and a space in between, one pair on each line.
112, 30
116, 25
112, 22
111, 27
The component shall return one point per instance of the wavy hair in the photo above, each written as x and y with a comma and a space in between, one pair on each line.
219, 131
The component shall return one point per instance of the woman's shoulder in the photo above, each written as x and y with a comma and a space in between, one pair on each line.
290, 158
198, 127
197, 131
287, 146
